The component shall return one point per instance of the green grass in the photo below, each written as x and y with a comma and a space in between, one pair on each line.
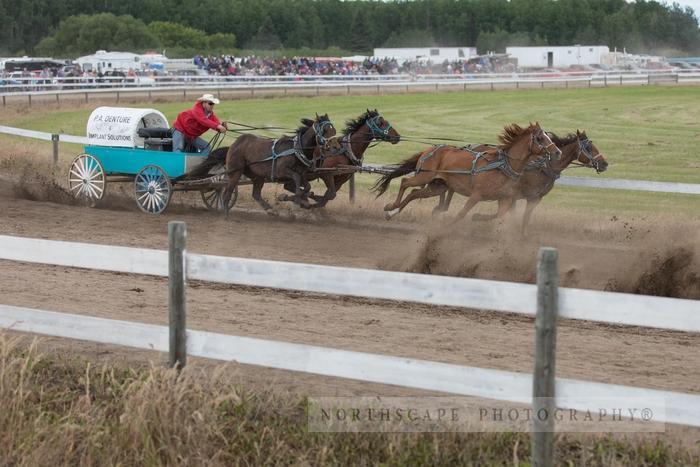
646, 133
62, 410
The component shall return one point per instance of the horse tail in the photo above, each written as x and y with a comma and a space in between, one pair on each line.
406, 167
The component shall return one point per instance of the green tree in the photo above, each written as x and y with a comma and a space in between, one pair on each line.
265, 38
177, 35
410, 38
84, 34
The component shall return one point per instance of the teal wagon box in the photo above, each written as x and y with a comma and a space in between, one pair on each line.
135, 145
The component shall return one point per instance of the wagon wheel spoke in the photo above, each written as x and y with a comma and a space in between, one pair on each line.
213, 199
86, 179
153, 189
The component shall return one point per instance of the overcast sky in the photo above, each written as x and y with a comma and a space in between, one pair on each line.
694, 4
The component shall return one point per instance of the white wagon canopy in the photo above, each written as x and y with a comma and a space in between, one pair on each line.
118, 126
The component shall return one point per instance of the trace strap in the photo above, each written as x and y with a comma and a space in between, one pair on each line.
501, 163
293, 151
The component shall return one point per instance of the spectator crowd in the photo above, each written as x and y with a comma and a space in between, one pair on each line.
228, 65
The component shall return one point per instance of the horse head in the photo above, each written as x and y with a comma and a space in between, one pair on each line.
588, 153
541, 143
526, 144
323, 131
380, 128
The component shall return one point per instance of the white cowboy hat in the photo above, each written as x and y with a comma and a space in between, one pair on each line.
208, 98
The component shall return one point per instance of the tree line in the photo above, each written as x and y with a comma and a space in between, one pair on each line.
73, 27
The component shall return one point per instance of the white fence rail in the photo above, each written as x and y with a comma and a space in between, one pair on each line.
607, 183
606, 307
494, 384
418, 374
37, 86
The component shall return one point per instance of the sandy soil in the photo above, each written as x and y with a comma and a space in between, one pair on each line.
652, 255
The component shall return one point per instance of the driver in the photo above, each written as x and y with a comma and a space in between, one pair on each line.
192, 123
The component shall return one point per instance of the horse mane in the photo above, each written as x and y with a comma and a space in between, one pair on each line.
561, 142
511, 134
305, 124
352, 125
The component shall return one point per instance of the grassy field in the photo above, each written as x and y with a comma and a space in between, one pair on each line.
646, 133
61, 410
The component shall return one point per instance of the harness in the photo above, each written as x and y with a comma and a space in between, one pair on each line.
543, 164
501, 163
347, 149
346, 144
295, 150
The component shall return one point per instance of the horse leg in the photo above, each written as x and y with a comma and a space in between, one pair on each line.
531, 205
233, 178
444, 203
406, 182
471, 202
330, 193
289, 186
431, 189
300, 184
258, 183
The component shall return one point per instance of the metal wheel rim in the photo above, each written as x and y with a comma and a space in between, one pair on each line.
153, 189
86, 179
212, 199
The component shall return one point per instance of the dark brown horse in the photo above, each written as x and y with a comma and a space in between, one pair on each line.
485, 175
351, 147
540, 174
281, 160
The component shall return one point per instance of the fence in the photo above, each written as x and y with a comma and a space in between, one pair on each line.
614, 184
28, 85
545, 300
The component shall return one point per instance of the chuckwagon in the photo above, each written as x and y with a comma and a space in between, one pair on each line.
135, 145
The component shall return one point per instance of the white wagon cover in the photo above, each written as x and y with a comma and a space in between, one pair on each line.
118, 126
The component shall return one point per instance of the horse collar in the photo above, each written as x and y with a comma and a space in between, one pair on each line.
347, 149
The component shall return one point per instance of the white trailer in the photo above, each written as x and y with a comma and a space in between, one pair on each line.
434, 54
110, 61
558, 56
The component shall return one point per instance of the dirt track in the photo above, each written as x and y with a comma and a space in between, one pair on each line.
659, 255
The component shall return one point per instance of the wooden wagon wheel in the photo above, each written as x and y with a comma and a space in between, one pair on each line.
86, 180
153, 189
213, 199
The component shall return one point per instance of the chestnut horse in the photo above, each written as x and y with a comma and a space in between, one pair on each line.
280, 160
540, 174
357, 136
482, 175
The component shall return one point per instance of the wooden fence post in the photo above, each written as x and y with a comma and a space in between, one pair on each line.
543, 380
177, 236
54, 141
351, 184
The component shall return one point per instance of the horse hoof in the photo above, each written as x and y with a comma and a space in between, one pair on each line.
390, 213
388, 207
272, 212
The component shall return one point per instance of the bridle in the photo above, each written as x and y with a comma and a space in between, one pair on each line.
584, 148
534, 137
377, 131
319, 130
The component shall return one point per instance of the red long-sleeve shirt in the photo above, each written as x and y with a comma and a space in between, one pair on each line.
194, 122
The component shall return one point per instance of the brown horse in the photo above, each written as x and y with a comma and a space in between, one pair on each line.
482, 175
351, 147
540, 174
280, 160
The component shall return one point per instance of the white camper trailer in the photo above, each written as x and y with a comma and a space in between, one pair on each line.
559, 56
110, 61
434, 54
